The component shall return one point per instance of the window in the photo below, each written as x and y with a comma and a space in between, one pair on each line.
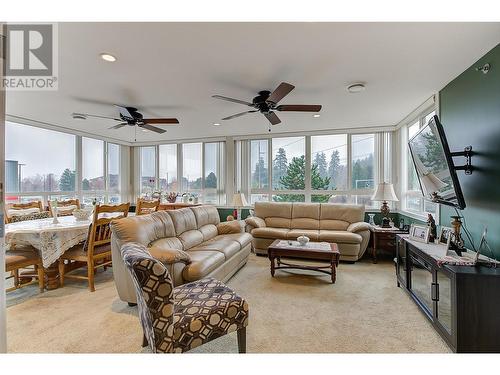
363, 161
192, 167
168, 167
212, 178
38, 160
329, 162
42, 164
259, 164
148, 169
413, 201
281, 170
92, 165
113, 180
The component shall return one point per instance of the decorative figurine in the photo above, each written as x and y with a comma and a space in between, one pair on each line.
432, 223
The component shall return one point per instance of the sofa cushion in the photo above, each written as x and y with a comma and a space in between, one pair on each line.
350, 213
191, 238
206, 215
305, 216
183, 220
243, 238
228, 227
167, 243
338, 225
143, 229
208, 231
226, 246
339, 236
269, 232
202, 263
277, 215
311, 233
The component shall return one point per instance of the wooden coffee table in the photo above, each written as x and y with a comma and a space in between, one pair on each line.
314, 251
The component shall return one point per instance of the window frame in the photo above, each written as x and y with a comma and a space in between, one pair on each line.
220, 191
421, 213
243, 167
79, 193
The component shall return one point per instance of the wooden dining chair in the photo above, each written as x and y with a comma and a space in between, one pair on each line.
16, 260
96, 251
20, 207
66, 207
145, 206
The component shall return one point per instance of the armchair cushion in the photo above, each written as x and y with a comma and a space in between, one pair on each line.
358, 227
229, 227
169, 256
255, 222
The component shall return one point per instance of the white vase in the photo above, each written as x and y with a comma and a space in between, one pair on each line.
371, 221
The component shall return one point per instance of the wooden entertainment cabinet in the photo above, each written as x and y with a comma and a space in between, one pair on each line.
461, 302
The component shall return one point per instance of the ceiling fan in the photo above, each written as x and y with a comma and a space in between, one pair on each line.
267, 103
130, 116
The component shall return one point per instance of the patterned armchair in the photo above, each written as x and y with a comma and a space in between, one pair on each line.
175, 320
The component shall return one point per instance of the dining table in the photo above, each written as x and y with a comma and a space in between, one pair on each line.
50, 238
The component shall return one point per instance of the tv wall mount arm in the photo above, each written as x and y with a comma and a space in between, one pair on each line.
467, 153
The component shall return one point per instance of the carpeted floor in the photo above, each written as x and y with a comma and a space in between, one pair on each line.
364, 312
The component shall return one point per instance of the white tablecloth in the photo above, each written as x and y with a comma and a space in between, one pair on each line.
52, 240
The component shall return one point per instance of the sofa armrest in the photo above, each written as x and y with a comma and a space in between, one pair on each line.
358, 227
255, 222
229, 227
169, 256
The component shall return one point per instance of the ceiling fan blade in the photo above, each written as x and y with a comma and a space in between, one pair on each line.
160, 121
96, 116
152, 128
232, 100
299, 108
238, 115
273, 119
118, 126
281, 91
124, 112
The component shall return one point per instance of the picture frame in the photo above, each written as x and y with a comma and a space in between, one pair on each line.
420, 233
445, 235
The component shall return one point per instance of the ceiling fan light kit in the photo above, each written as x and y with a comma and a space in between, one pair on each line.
267, 104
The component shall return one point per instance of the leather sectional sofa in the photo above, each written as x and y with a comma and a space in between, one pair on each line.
191, 242
339, 223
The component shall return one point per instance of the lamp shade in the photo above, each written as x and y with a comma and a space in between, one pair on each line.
239, 200
385, 192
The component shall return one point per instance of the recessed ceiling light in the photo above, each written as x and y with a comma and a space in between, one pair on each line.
316, 115
216, 124
108, 57
356, 87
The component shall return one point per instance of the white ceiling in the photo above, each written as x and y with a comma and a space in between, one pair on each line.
172, 69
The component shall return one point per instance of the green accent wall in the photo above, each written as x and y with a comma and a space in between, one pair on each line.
470, 114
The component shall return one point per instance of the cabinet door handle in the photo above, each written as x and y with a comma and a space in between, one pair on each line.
435, 292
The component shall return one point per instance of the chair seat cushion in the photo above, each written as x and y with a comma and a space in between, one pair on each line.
79, 253
32, 216
270, 232
311, 233
18, 258
339, 236
205, 310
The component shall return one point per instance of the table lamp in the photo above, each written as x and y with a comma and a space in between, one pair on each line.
384, 193
239, 201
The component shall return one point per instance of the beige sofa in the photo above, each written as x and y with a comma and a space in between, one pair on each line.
339, 223
191, 242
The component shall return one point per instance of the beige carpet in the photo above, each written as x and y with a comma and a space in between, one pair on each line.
363, 312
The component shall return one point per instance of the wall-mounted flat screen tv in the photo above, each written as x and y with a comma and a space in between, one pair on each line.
434, 165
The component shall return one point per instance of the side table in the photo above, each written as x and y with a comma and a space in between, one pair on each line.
384, 238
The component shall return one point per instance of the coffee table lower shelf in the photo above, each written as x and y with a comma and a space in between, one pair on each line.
297, 252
